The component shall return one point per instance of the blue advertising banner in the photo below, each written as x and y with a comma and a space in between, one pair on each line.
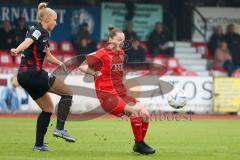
69, 19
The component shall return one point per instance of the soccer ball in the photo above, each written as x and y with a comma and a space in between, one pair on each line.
177, 98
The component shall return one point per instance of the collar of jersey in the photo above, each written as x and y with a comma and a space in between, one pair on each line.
119, 52
40, 25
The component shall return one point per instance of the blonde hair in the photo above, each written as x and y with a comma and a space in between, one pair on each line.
41, 11
112, 31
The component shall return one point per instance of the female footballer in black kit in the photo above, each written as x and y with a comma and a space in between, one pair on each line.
36, 81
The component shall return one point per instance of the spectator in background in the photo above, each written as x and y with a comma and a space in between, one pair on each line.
233, 41
83, 47
84, 33
6, 36
216, 38
9, 99
136, 54
20, 30
158, 42
223, 59
129, 33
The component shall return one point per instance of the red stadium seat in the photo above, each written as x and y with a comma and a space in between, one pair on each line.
175, 67
66, 46
6, 63
18, 59
173, 63
8, 69
190, 73
162, 56
162, 61
53, 46
66, 57
6, 58
66, 50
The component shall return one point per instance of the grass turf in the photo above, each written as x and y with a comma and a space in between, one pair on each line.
112, 139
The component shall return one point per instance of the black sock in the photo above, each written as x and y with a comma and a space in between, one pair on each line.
42, 125
63, 111
60, 124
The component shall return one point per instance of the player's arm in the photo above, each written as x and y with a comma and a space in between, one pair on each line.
32, 35
86, 69
24, 45
52, 59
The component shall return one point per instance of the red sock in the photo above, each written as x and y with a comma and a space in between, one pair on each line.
144, 128
137, 128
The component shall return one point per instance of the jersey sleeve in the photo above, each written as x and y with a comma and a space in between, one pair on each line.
95, 60
33, 33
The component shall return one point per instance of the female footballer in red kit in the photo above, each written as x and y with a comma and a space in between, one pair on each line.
106, 65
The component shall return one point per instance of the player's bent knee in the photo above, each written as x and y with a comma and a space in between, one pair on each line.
48, 109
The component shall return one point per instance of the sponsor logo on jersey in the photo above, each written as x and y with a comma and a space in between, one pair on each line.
117, 67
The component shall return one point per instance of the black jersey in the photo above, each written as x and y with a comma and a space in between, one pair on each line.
33, 56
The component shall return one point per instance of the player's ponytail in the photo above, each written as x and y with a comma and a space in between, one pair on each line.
110, 28
112, 31
41, 7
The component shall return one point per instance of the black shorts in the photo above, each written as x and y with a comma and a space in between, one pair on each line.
35, 83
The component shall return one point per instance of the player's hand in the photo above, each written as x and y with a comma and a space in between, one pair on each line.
14, 52
64, 67
97, 74
141, 111
145, 114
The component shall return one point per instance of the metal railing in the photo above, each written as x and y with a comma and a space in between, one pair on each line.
194, 27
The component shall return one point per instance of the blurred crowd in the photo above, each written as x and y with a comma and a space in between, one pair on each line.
156, 44
223, 46
12, 36
225, 49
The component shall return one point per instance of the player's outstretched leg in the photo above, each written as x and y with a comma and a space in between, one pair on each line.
63, 109
62, 112
139, 122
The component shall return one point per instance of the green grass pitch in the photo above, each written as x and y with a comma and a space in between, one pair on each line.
103, 139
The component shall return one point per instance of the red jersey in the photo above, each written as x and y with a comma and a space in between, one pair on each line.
110, 64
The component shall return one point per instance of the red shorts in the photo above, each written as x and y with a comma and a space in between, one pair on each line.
115, 104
